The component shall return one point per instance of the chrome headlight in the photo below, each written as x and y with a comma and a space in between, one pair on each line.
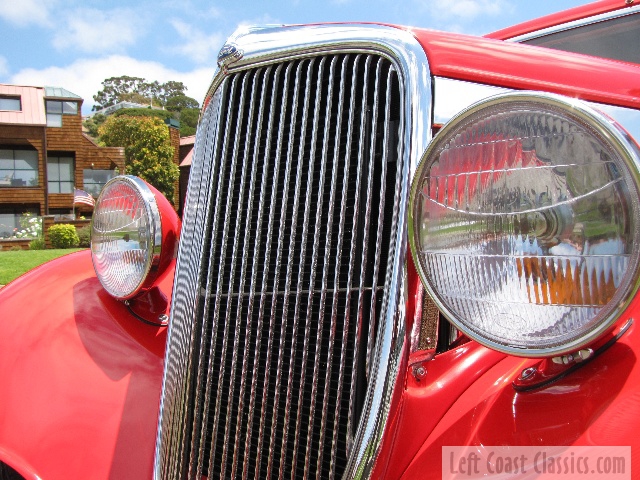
524, 223
126, 235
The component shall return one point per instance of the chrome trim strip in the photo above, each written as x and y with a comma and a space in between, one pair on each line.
267, 46
576, 23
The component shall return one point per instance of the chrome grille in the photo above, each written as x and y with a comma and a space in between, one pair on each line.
289, 234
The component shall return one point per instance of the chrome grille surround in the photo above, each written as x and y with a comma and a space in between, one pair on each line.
182, 450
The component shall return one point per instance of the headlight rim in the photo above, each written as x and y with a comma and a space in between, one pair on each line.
154, 220
609, 133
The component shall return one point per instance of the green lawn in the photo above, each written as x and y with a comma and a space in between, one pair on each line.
14, 264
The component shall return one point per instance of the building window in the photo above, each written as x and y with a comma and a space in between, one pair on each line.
60, 174
57, 108
10, 218
10, 103
94, 180
18, 168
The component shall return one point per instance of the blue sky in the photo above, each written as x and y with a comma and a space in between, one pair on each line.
76, 44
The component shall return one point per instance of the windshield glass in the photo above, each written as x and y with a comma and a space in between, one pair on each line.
615, 38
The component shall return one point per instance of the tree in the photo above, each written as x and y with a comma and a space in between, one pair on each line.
135, 97
114, 88
138, 90
93, 124
189, 121
170, 89
180, 102
147, 149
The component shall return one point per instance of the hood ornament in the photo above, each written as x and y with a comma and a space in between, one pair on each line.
229, 54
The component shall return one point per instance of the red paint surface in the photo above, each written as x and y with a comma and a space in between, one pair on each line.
467, 398
598, 404
81, 378
525, 67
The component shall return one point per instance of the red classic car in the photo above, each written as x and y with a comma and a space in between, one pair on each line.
404, 254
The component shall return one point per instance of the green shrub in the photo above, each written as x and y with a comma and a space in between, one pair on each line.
84, 235
63, 235
37, 244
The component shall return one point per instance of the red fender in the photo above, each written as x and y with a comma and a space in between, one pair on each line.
85, 376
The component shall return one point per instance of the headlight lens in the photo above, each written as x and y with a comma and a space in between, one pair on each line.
125, 235
524, 223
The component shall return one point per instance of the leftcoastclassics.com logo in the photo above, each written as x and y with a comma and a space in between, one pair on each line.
551, 462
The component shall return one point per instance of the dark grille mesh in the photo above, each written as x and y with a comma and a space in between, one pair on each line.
8, 473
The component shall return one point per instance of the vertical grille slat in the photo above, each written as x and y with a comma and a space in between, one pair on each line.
298, 168
352, 256
291, 263
252, 289
336, 272
279, 249
264, 185
197, 453
219, 285
231, 426
374, 125
189, 236
353, 391
379, 235
314, 270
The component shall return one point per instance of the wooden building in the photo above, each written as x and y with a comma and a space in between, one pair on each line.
44, 155
186, 153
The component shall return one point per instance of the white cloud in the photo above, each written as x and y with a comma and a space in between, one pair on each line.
84, 77
198, 46
97, 31
212, 12
467, 9
4, 67
264, 19
26, 12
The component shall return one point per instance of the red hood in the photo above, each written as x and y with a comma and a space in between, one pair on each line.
512, 65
